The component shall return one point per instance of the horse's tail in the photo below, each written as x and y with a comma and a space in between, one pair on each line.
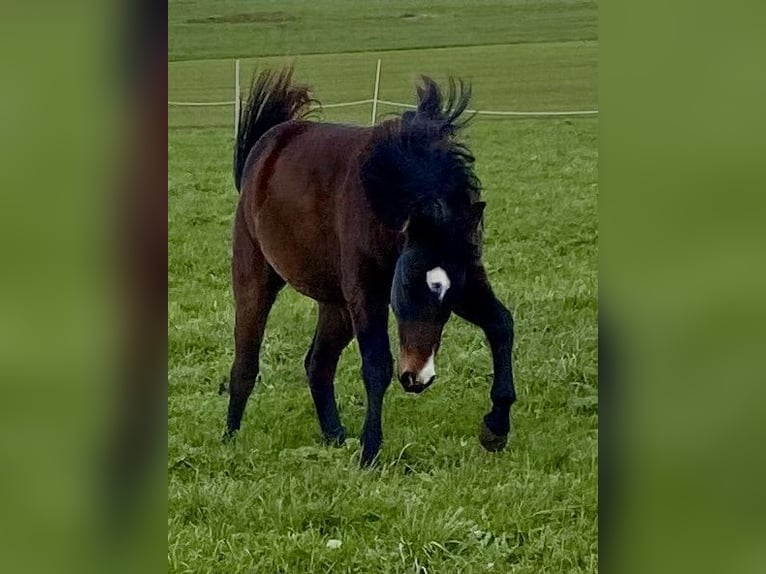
273, 99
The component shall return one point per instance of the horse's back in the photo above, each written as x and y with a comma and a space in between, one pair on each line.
296, 195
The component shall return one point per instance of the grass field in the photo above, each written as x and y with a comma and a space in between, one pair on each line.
437, 502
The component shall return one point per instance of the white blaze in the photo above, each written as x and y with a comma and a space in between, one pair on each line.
427, 372
438, 281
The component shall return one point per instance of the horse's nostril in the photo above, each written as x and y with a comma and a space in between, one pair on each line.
412, 385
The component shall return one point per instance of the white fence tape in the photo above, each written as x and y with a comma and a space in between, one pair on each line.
403, 105
493, 113
375, 101
344, 104
201, 103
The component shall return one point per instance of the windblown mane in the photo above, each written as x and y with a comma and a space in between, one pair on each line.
418, 158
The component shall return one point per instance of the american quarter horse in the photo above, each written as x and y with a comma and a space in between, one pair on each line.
360, 218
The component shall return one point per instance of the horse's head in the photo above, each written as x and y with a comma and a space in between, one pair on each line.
419, 181
428, 281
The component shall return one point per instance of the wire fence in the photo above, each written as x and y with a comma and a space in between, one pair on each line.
375, 101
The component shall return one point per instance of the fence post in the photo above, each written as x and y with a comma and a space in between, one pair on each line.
237, 102
375, 95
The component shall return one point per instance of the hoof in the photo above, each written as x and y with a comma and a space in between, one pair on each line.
491, 441
367, 459
228, 436
369, 456
336, 438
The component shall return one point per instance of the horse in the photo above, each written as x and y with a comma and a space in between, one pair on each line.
360, 219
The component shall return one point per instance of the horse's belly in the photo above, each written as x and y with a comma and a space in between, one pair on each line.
303, 254
314, 284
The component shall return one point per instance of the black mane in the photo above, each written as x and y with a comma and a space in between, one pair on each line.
416, 164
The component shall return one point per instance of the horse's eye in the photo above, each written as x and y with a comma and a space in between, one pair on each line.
438, 282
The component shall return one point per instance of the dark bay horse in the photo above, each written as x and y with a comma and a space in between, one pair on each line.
360, 218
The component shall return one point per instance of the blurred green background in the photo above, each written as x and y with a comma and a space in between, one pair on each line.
680, 263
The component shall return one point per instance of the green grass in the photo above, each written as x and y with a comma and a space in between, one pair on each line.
200, 29
437, 502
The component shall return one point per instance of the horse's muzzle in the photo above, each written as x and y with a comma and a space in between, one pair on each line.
412, 385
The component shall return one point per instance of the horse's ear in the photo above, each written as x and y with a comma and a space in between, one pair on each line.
477, 212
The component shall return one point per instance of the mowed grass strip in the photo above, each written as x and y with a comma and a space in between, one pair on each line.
199, 29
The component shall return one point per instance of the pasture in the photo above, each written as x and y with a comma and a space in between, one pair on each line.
436, 501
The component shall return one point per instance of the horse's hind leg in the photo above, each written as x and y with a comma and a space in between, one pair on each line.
255, 286
332, 334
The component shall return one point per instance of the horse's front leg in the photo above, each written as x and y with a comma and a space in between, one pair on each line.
377, 368
479, 306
